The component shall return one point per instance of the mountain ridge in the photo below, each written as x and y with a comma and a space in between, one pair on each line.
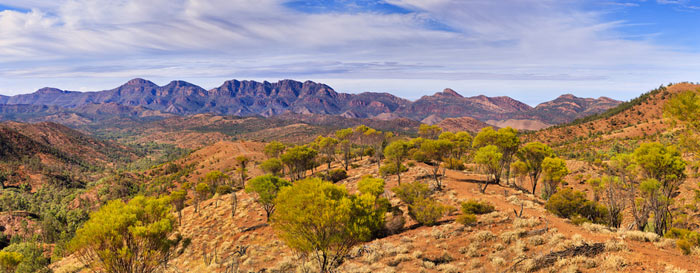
250, 98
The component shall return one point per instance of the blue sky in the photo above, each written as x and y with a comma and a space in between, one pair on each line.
532, 50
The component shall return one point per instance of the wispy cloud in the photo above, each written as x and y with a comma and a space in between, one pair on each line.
456, 42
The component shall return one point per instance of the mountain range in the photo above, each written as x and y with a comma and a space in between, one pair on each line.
142, 98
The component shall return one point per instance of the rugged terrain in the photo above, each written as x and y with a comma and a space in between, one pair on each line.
140, 99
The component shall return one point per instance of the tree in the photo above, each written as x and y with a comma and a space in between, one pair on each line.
520, 171
376, 139
624, 166
435, 152
178, 200
421, 207
213, 179
685, 108
344, 137
489, 157
397, 152
327, 146
429, 131
266, 187
272, 166
274, 149
242, 171
127, 237
613, 191
664, 165
323, 220
553, 171
507, 141
532, 154
298, 160
202, 191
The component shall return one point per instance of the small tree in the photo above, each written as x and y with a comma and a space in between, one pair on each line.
127, 237
213, 179
327, 146
344, 137
178, 200
242, 171
371, 185
397, 152
553, 170
272, 166
429, 131
298, 160
266, 187
421, 207
532, 154
325, 221
435, 151
202, 192
274, 149
489, 158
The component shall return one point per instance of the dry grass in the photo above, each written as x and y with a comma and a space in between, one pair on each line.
640, 236
448, 268
596, 228
615, 245
526, 222
511, 236
613, 262
672, 269
484, 236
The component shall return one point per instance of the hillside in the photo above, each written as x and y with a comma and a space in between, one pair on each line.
42, 152
499, 242
144, 100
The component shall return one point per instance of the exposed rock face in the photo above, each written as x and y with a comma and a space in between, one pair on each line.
249, 98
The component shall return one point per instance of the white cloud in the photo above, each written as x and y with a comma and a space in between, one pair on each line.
544, 46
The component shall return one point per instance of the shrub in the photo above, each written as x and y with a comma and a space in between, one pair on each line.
684, 246
333, 175
371, 185
266, 187
427, 211
476, 207
467, 219
454, 164
410, 192
389, 168
574, 205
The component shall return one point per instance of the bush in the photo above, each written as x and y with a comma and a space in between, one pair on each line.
394, 223
334, 175
574, 205
454, 164
410, 192
224, 189
467, 219
684, 246
427, 211
476, 207
389, 168
371, 185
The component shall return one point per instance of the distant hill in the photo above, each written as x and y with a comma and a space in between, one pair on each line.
142, 99
50, 152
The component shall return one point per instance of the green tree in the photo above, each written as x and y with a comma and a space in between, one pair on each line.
553, 171
323, 220
397, 152
532, 154
215, 178
371, 185
429, 131
421, 206
298, 160
665, 165
327, 147
272, 166
274, 149
127, 237
625, 167
435, 152
489, 158
507, 141
344, 141
242, 171
377, 140
178, 200
202, 191
266, 187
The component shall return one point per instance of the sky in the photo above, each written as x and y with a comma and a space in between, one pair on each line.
531, 50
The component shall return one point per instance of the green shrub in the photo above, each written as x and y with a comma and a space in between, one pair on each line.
476, 207
467, 219
427, 211
410, 192
454, 164
389, 168
334, 175
573, 204
684, 246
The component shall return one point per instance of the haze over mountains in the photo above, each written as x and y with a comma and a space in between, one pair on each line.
143, 98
